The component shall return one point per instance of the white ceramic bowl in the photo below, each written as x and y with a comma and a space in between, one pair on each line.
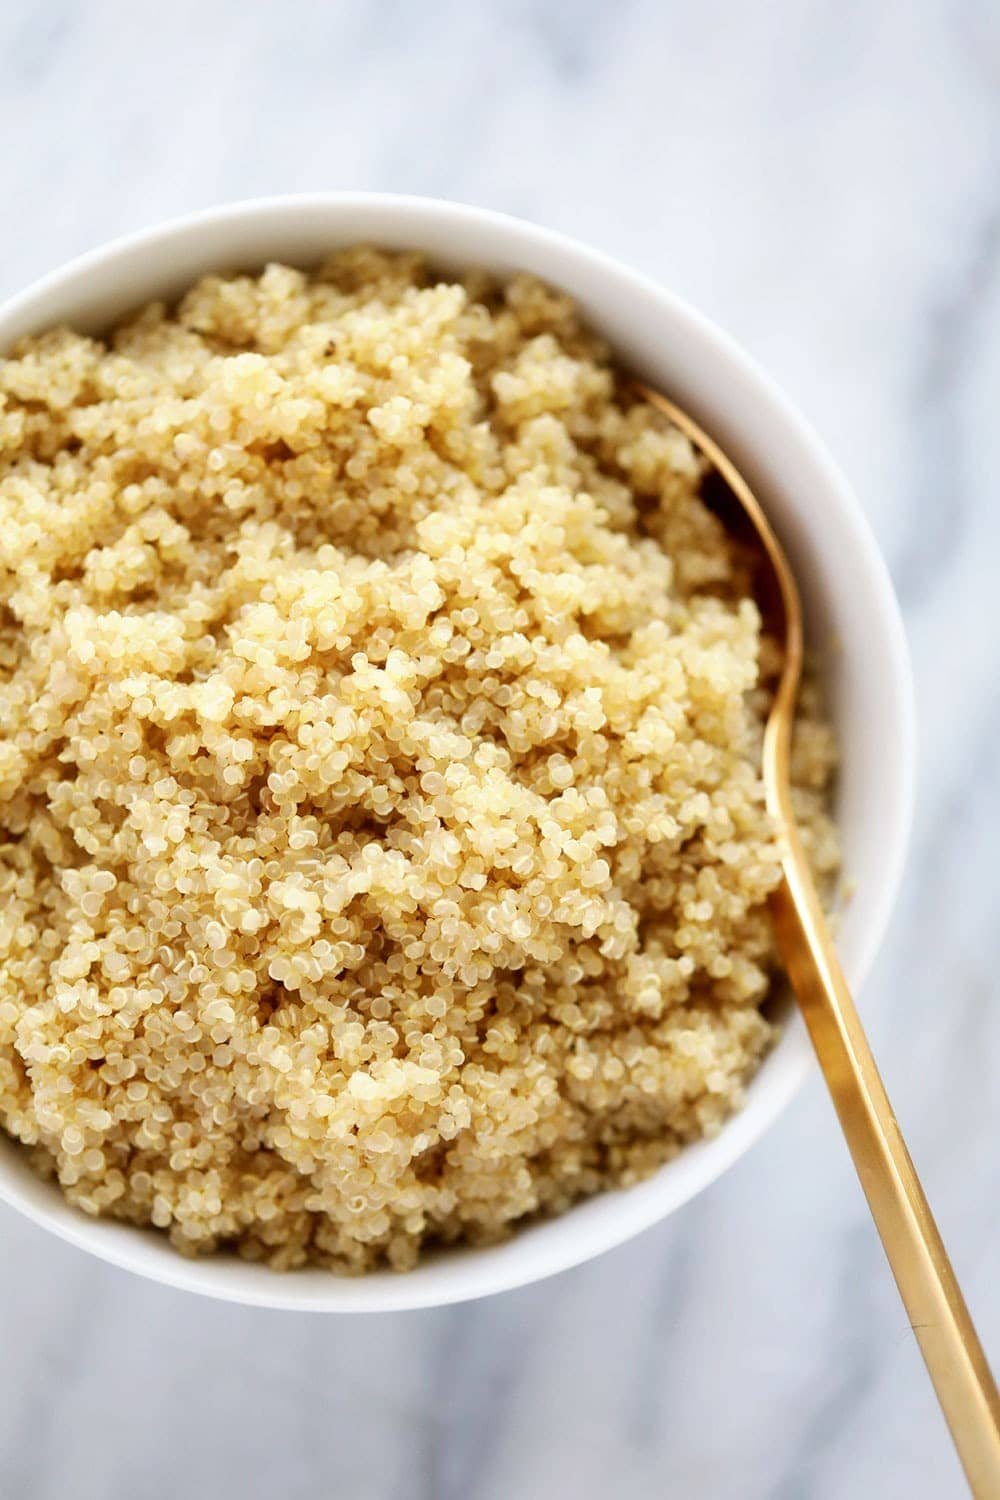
853, 620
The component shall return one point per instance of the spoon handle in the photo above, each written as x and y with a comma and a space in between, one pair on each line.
934, 1303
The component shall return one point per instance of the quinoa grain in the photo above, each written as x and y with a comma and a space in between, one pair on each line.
383, 856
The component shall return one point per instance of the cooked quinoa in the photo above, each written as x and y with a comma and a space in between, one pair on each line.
383, 856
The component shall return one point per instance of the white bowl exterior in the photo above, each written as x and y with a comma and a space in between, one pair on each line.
853, 622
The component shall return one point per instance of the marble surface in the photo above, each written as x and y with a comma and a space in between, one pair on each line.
822, 178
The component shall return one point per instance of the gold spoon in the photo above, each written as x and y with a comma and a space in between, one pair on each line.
931, 1295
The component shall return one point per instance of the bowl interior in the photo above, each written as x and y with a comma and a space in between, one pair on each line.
852, 621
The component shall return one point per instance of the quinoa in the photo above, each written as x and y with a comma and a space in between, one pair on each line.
383, 853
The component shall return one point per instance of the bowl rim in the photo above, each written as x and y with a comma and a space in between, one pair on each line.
463, 1275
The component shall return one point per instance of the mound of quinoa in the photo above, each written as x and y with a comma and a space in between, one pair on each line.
383, 857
